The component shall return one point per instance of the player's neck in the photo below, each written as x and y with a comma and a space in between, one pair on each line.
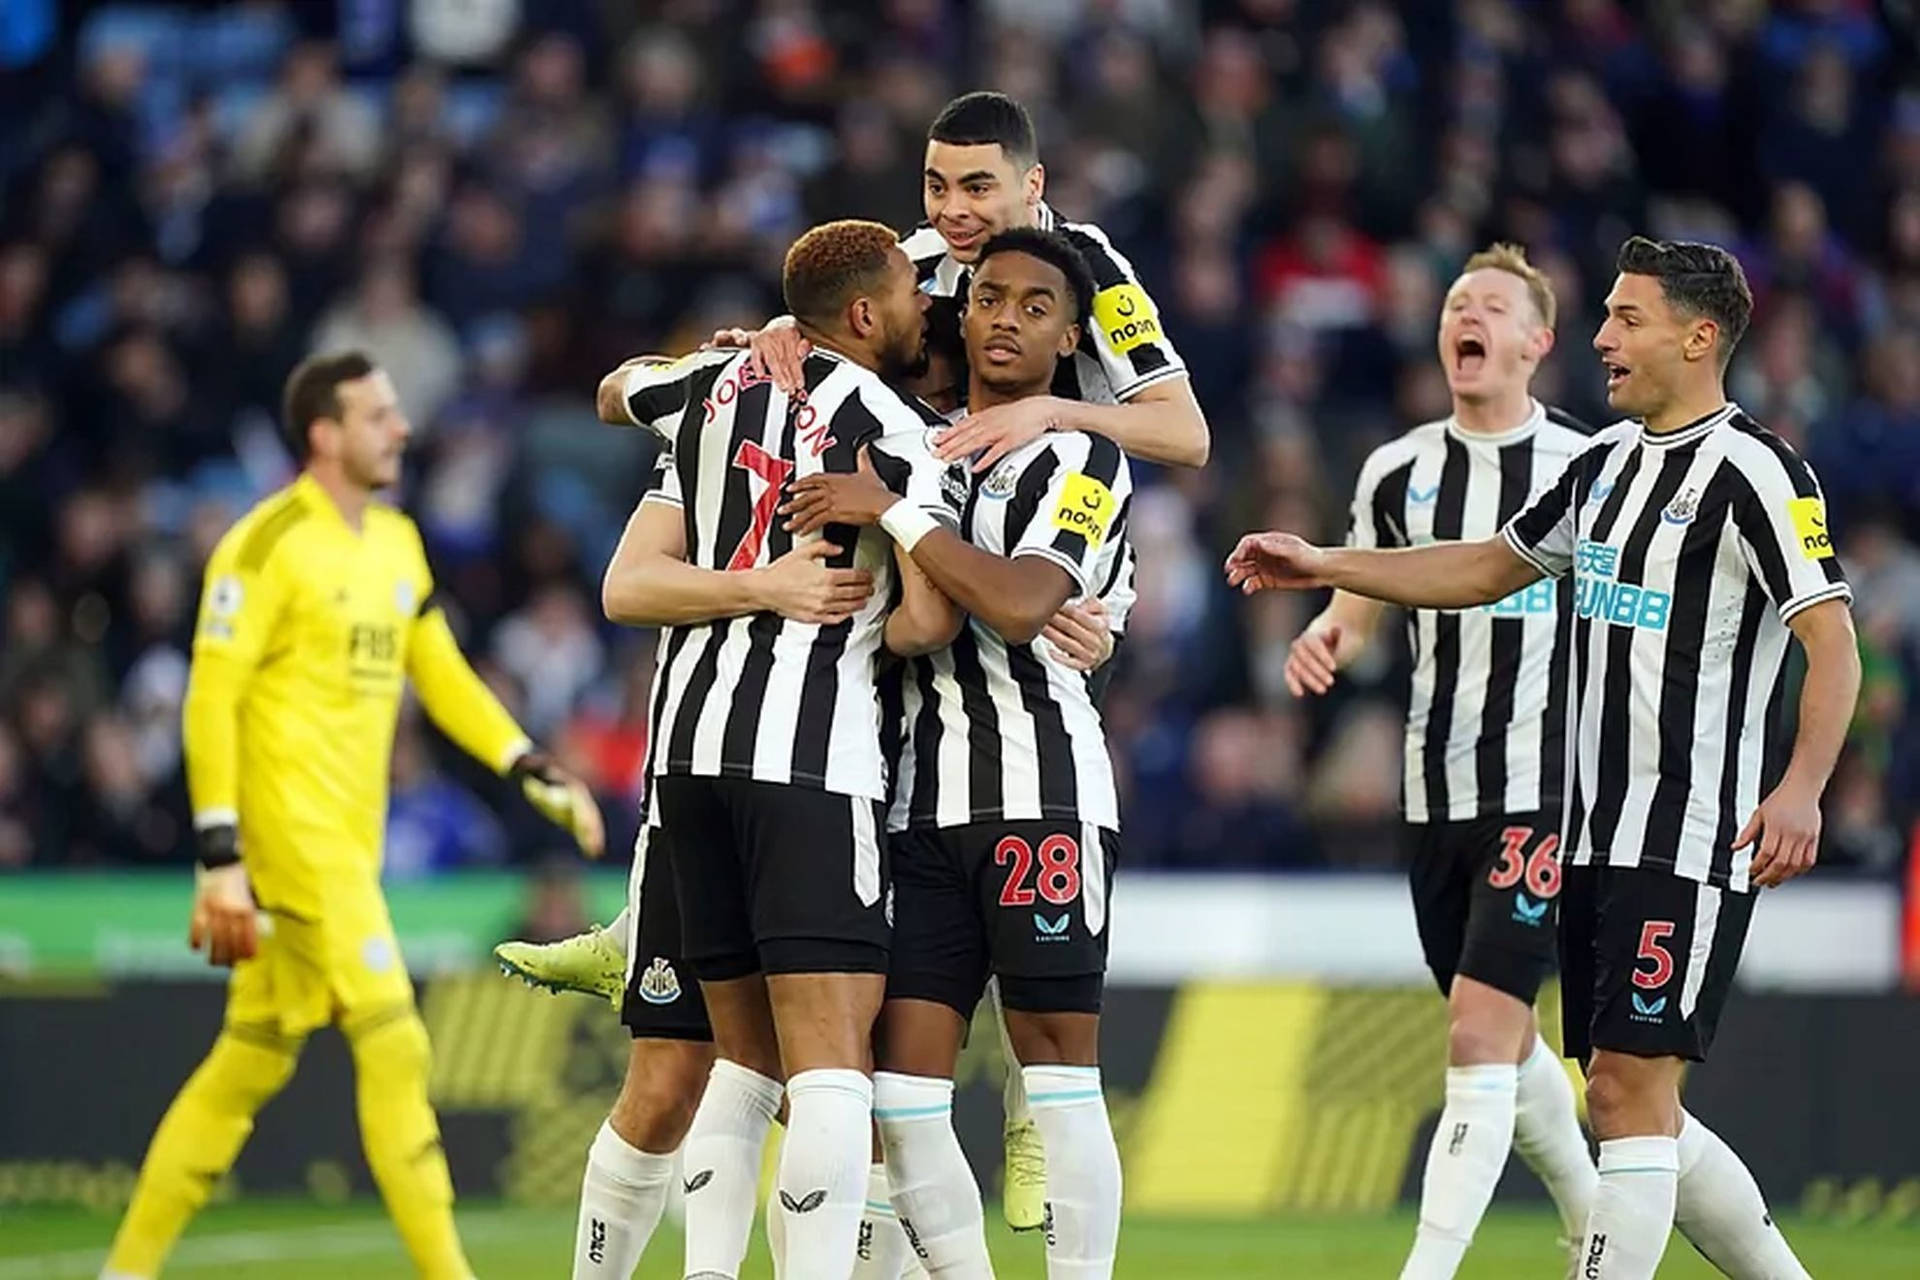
1494, 416
350, 499
1687, 408
844, 345
981, 396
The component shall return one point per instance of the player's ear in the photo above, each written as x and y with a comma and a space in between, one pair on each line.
860, 316
1069, 341
1541, 344
1702, 336
1036, 183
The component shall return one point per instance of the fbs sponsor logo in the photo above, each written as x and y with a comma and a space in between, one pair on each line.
1086, 508
660, 984
1624, 604
596, 1242
1809, 516
1125, 315
1528, 912
1645, 1010
1051, 931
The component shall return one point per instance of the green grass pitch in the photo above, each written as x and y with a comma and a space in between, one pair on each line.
303, 1241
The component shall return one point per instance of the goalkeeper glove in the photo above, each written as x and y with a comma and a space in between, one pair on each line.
562, 799
224, 919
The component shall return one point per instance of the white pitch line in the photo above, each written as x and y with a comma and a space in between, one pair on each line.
339, 1240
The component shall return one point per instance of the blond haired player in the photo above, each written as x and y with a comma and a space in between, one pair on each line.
318, 608
1484, 745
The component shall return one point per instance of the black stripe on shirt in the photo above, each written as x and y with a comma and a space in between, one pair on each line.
1506, 647
1449, 518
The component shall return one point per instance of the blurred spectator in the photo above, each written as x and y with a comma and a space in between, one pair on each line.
551, 649
310, 123
1871, 451
556, 905
412, 343
433, 824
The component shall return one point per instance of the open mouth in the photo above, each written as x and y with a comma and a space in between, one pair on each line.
1616, 373
1469, 354
962, 239
1001, 350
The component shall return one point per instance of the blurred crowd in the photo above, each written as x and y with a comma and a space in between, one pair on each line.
501, 201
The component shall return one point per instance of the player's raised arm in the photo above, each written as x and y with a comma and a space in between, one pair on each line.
239, 613
460, 704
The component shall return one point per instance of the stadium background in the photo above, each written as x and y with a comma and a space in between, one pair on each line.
502, 200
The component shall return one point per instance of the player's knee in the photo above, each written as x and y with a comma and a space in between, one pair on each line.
250, 1071
662, 1089
393, 1048
1611, 1100
1472, 1042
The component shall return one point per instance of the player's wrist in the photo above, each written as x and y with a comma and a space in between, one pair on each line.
906, 523
219, 847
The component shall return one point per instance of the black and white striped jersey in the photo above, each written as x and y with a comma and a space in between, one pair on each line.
1689, 553
994, 731
1486, 720
1123, 347
762, 697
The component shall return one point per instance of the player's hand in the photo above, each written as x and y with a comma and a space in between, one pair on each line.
779, 352
824, 498
728, 340
1080, 633
991, 434
563, 800
1314, 659
225, 920
1787, 826
1275, 561
800, 586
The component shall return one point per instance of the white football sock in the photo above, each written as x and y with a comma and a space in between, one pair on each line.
1546, 1133
1719, 1208
1633, 1209
823, 1170
720, 1167
1464, 1163
932, 1185
621, 1198
1013, 1089
1083, 1171
881, 1249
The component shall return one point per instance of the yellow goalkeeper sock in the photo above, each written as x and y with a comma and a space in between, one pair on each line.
197, 1141
402, 1139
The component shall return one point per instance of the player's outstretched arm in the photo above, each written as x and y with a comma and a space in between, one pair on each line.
649, 583
1449, 575
1337, 635
1787, 823
1163, 423
459, 702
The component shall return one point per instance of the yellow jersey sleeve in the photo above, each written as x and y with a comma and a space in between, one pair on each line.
240, 610
454, 695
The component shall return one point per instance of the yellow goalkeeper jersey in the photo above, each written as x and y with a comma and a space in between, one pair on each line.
307, 633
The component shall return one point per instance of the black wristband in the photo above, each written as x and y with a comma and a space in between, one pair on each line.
219, 846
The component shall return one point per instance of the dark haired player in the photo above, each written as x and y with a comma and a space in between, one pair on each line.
1697, 540
1005, 820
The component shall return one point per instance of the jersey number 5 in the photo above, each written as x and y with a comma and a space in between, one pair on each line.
773, 472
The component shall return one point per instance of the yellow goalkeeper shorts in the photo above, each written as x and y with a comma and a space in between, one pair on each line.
308, 973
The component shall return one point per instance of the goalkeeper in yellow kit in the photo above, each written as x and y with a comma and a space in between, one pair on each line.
318, 607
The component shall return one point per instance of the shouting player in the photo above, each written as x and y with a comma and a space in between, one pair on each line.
1005, 815
1697, 541
318, 608
1484, 745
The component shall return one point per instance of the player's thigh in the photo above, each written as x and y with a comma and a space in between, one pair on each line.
709, 879
939, 938
1514, 888
1043, 887
1440, 881
663, 1001
366, 972
282, 992
818, 878
1665, 950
